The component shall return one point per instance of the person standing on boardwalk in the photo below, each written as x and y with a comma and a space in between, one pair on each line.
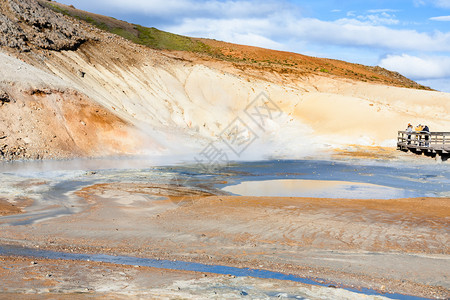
419, 129
409, 131
426, 130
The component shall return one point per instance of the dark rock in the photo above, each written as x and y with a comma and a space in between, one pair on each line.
28, 23
4, 97
41, 92
8, 153
11, 35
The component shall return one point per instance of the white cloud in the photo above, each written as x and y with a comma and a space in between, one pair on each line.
419, 3
275, 23
437, 3
442, 3
382, 18
441, 18
433, 71
373, 11
283, 26
440, 84
428, 67
254, 31
192, 8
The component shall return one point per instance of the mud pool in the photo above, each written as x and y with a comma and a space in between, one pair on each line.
54, 196
317, 189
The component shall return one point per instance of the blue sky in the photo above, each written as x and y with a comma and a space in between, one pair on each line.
408, 36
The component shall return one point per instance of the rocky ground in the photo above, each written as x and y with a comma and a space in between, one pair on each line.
26, 26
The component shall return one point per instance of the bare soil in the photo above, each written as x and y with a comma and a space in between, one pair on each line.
389, 245
15, 207
44, 278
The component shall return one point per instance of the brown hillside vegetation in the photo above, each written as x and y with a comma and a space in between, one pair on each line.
302, 65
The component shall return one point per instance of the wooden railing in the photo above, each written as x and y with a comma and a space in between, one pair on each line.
433, 141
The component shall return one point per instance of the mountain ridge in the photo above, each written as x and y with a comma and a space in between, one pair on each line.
242, 56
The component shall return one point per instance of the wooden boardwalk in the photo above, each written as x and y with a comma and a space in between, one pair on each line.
429, 143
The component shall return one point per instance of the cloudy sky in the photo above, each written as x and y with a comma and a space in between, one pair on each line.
408, 36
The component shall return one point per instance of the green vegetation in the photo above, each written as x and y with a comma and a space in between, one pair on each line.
159, 39
58, 9
150, 37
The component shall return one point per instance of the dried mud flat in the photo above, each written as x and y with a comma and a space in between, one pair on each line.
390, 246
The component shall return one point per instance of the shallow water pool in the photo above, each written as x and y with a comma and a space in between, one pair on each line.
317, 189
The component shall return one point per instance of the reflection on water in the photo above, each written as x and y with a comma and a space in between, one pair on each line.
317, 189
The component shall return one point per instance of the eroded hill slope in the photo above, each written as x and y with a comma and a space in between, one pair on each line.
108, 95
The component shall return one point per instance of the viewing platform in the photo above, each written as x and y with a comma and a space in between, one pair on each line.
433, 144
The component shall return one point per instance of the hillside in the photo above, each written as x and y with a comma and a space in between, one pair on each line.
70, 86
243, 57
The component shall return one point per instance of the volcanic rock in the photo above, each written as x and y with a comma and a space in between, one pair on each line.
25, 23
